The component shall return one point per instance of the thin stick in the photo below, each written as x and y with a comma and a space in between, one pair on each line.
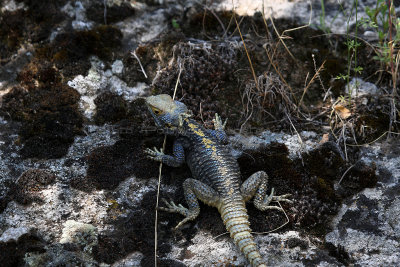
281, 36
344, 174
309, 83
105, 12
277, 228
247, 53
279, 73
159, 180
263, 233
140, 63
382, 135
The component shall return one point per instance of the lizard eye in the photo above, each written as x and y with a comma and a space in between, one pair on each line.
156, 111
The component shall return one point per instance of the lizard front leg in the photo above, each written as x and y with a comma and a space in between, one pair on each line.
177, 159
193, 190
256, 186
219, 131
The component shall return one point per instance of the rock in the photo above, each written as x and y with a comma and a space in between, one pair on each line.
367, 225
82, 234
13, 234
359, 88
76, 188
29, 185
117, 67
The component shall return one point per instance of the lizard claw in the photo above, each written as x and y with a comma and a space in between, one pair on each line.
283, 198
172, 207
154, 153
218, 125
272, 197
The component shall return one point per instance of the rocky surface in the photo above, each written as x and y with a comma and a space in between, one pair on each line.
76, 188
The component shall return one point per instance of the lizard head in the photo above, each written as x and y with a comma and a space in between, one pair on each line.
166, 111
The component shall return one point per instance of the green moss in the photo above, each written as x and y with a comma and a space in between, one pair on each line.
70, 51
34, 24
11, 32
60, 56
47, 108
324, 189
110, 108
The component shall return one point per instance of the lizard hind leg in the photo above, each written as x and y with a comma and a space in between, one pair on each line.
193, 190
256, 186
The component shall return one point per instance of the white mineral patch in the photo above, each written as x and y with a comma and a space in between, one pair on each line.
99, 80
207, 251
10, 5
78, 12
73, 231
117, 67
13, 234
132, 260
89, 87
48, 217
144, 28
305, 12
296, 145
120, 87
358, 87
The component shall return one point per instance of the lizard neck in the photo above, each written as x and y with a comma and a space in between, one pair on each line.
192, 127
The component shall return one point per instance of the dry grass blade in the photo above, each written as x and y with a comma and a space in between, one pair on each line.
267, 232
140, 63
282, 36
344, 174
309, 83
279, 73
377, 139
277, 228
247, 53
159, 181
393, 109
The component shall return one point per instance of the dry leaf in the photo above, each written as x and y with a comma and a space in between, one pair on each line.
343, 112
324, 139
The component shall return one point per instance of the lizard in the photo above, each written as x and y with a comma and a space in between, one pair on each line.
216, 176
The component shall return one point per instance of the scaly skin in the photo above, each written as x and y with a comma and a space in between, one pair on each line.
216, 173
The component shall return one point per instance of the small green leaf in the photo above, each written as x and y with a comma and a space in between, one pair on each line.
175, 24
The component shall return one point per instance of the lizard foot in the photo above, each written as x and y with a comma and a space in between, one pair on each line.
172, 207
154, 153
272, 197
218, 125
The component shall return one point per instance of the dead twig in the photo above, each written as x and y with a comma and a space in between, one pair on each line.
159, 181
344, 174
140, 63
247, 53
277, 228
309, 83
278, 72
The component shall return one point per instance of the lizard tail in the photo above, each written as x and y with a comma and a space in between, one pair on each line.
234, 215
